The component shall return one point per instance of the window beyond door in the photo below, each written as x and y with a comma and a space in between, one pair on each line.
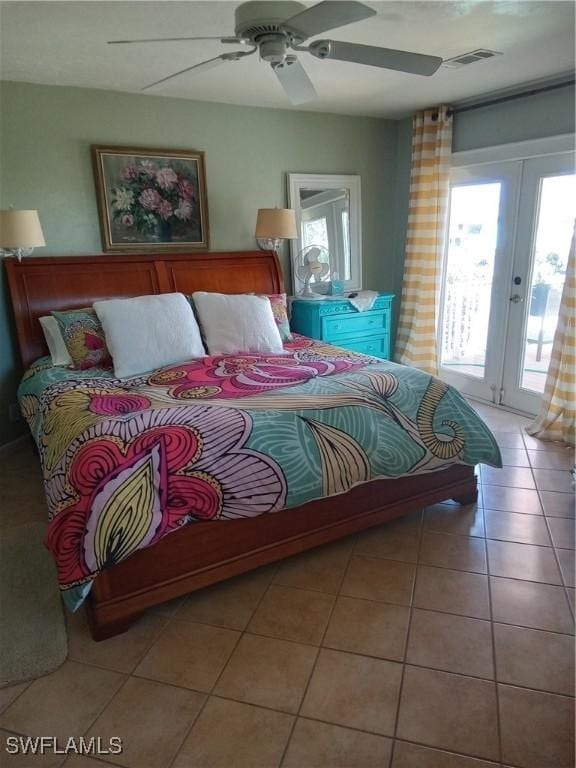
555, 221
472, 241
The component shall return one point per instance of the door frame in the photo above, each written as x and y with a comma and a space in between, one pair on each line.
508, 175
500, 154
534, 170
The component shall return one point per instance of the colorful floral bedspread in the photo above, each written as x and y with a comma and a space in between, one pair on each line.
126, 462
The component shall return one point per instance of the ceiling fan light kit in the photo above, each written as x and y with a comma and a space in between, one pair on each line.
275, 28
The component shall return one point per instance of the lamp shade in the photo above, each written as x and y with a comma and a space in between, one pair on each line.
20, 229
276, 223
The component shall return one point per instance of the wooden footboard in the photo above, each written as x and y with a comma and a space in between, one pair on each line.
205, 553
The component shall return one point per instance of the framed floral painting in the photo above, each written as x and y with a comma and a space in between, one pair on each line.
151, 199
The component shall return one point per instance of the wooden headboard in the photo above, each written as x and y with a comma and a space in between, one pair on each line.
41, 284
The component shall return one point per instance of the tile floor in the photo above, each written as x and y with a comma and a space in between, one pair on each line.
444, 640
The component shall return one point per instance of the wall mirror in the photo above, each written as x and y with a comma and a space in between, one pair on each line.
328, 216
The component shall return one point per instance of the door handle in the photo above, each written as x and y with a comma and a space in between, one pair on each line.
516, 298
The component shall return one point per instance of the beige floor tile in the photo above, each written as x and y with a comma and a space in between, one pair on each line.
21, 760
77, 761
321, 569
511, 499
354, 691
553, 480
523, 561
121, 653
567, 565
513, 526
534, 659
169, 608
293, 614
514, 457
415, 756
187, 654
9, 693
449, 711
462, 553
269, 672
319, 745
572, 597
509, 439
62, 704
534, 444
232, 735
512, 477
465, 520
537, 728
364, 626
397, 540
229, 604
557, 504
377, 579
152, 720
528, 604
499, 419
451, 643
551, 459
440, 589
562, 532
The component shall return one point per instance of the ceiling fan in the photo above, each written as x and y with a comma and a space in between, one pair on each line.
275, 28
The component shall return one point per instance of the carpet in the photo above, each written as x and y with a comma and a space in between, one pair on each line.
32, 630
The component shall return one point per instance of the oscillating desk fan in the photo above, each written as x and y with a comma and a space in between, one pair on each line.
313, 262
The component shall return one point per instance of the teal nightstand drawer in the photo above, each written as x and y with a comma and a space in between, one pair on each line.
376, 347
361, 324
338, 322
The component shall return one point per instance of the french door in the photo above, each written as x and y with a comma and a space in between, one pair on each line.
509, 231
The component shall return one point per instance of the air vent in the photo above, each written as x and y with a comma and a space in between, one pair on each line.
469, 58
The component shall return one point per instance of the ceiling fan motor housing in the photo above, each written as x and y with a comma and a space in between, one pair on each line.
256, 19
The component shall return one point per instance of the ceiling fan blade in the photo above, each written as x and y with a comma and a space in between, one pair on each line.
204, 66
372, 56
296, 83
236, 40
325, 16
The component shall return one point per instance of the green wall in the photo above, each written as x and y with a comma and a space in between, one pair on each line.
45, 137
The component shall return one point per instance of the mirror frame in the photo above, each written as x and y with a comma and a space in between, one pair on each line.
321, 181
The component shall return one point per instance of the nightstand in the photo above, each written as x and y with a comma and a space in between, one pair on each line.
337, 322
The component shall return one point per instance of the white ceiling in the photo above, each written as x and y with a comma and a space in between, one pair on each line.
64, 43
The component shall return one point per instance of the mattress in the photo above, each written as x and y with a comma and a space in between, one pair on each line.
127, 462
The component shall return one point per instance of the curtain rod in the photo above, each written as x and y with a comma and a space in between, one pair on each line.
511, 97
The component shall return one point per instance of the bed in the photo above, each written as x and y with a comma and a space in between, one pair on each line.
169, 482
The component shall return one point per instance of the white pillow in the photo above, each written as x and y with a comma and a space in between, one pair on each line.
55, 341
149, 332
237, 323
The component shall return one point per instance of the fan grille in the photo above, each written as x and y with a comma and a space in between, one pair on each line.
257, 30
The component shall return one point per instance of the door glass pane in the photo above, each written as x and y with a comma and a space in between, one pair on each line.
551, 246
473, 235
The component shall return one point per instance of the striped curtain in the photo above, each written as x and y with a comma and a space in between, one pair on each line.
556, 420
429, 190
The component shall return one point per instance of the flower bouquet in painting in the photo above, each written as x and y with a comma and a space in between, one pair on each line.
151, 199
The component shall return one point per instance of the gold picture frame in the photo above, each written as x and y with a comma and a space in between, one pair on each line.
151, 199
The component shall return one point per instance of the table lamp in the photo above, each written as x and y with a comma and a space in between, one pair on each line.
20, 233
273, 225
